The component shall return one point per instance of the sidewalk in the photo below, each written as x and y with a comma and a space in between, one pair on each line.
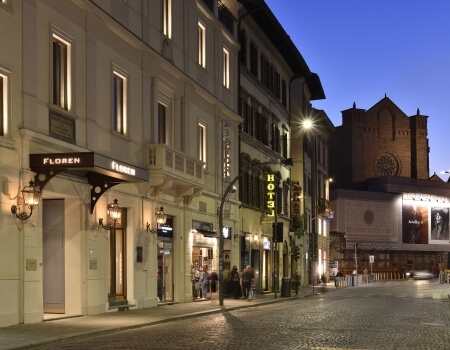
25, 335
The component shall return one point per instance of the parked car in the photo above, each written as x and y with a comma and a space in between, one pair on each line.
422, 275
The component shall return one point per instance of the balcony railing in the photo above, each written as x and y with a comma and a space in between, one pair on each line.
171, 168
175, 163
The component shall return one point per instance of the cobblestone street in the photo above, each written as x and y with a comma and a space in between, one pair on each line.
403, 315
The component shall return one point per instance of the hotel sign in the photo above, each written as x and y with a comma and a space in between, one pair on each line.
271, 194
89, 161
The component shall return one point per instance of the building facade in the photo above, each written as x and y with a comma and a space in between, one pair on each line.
104, 103
390, 217
117, 114
276, 87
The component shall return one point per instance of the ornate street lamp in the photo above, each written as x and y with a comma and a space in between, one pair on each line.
114, 213
30, 198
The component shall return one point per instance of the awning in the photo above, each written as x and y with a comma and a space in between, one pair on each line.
208, 233
101, 172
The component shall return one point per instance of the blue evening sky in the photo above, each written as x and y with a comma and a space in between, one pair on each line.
364, 49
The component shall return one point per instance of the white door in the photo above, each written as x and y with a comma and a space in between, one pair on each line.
53, 255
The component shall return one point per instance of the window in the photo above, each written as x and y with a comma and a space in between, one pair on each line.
201, 44
253, 59
4, 98
226, 68
119, 102
166, 19
286, 198
283, 93
275, 138
201, 130
243, 52
161, 123
61, 70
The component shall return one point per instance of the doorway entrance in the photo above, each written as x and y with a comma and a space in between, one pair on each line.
117, 264
53, 256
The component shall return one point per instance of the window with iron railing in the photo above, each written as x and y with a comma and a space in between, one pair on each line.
225, 16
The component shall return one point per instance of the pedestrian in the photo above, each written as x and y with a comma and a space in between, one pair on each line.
338, 278
235, 280
203, 280
248, 278
213, 278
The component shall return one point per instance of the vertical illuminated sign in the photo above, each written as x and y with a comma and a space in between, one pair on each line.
271, 194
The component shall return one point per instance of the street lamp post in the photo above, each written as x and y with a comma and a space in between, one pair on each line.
286, 161
309, 126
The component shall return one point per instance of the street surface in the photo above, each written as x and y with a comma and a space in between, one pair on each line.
383, 315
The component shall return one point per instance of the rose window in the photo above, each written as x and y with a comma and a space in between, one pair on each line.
386, 165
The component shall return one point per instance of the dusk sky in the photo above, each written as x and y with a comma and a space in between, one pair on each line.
364, 49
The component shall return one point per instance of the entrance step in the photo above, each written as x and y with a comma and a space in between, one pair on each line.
120, 305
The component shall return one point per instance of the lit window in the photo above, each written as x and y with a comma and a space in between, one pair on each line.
324, 228
3, 104
167, 17
119, 103
226, 68
62, 77
201, 44
202, 142
161, 123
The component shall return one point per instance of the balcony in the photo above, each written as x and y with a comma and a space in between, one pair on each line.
324, 208
174, 173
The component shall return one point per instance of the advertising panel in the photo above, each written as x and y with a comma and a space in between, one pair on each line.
425, 223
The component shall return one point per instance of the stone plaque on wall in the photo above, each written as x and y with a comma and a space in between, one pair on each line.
61, 127
31, 265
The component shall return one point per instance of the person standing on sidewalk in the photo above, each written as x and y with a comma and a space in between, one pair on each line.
248, 278
213, 278
203, 280
235, 280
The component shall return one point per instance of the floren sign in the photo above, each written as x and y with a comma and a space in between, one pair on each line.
91, 161
61, 161
271, 194
123, 169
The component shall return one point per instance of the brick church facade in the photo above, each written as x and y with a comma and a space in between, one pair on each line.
380, 169
380, 141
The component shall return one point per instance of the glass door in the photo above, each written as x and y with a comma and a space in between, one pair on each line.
117, 268
165, 271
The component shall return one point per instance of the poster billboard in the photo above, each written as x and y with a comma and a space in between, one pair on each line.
425, 223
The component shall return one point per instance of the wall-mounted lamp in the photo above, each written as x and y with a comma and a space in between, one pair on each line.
256, 238
114, 213
161, 218
236, 236
30, 197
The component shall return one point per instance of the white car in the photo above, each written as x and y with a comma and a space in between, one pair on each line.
422, 275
